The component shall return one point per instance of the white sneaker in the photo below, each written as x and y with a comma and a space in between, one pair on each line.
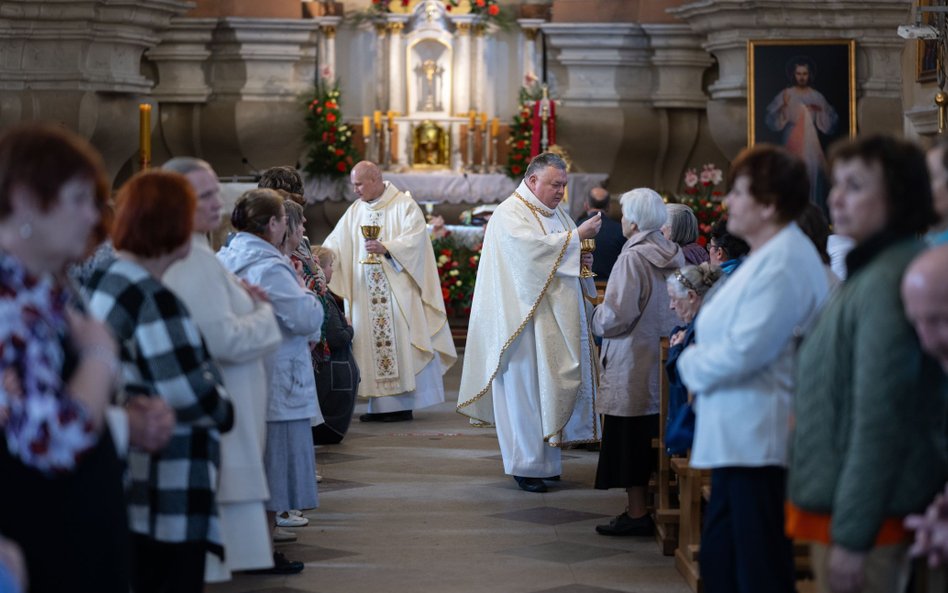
283, 536
287, 520
295, 512
319, 478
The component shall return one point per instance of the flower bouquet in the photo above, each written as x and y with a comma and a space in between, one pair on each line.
329, 140
457, 271
702, 197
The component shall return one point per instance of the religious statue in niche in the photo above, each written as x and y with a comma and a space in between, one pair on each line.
429, 86
431, 145
429, 90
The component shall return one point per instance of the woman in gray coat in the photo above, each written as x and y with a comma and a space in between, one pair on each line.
632, 318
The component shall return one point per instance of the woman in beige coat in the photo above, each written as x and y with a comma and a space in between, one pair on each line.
632, 318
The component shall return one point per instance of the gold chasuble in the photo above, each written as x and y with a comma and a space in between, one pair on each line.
396, 307
528, 288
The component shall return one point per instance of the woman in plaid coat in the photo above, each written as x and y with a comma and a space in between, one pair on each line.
172, 506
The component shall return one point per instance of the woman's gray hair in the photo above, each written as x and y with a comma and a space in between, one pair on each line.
645, 208
294, 215
683, 224
698, 278
186, 164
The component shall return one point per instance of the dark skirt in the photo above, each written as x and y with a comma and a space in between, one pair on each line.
73, 528
626, 456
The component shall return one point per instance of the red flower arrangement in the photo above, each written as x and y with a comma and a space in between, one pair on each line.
329, 139
457, 272
521, 129
702, 198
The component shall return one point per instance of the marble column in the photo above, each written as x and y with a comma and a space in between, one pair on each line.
327, 46
381, 78
462, 64
396, 65
530, 67
480, 69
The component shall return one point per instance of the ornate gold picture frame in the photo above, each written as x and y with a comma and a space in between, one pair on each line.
801, 94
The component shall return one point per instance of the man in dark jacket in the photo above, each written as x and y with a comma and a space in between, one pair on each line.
610, 239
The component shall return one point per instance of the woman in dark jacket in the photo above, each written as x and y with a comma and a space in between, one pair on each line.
337, 376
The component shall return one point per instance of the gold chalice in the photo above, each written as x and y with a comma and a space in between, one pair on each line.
371, 231
586, 246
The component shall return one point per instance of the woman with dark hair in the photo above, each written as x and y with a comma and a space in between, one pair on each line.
725, 249
59, 368
172, 494
740, 370
682, 228
870, 408
260, 218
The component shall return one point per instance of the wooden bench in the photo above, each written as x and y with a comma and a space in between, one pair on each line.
666, 512
691, 487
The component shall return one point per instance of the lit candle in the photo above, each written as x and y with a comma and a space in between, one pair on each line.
391, 119
495, 127
144, 134
470, 125
483, 121
366, 130
377, 119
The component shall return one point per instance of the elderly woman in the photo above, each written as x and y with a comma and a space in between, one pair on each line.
632, 318
172, 506
682, 228
869, 439
337, 376
740, 370
687, 288
239, 329
254, 254
58, 367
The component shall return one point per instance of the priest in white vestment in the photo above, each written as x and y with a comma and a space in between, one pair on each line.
529, 364
402, 341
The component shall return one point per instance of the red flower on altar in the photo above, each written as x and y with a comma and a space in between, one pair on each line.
341, 166
446, 252
340, 152
521, 144
517, 156
480, 3
515, 169
493, 10
445, 294
330, 117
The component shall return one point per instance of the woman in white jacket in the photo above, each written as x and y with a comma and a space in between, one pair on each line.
239, 329
254, 255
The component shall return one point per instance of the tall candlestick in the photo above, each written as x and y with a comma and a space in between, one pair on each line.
391, 119
144, 134
495, 127
377, 119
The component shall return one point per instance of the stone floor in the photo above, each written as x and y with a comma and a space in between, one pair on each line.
424, 506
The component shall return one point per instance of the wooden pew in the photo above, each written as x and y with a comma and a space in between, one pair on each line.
691, 487
666, 512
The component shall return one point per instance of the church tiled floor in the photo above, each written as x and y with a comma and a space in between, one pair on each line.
424, 506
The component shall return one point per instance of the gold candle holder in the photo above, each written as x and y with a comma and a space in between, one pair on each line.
371, 231
586, 246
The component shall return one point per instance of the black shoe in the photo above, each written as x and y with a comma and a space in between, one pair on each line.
626, 525
371, 417
530, 484
402, 416
552, 479
280, 566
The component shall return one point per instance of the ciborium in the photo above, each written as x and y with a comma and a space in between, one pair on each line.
371, 231
586, 246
